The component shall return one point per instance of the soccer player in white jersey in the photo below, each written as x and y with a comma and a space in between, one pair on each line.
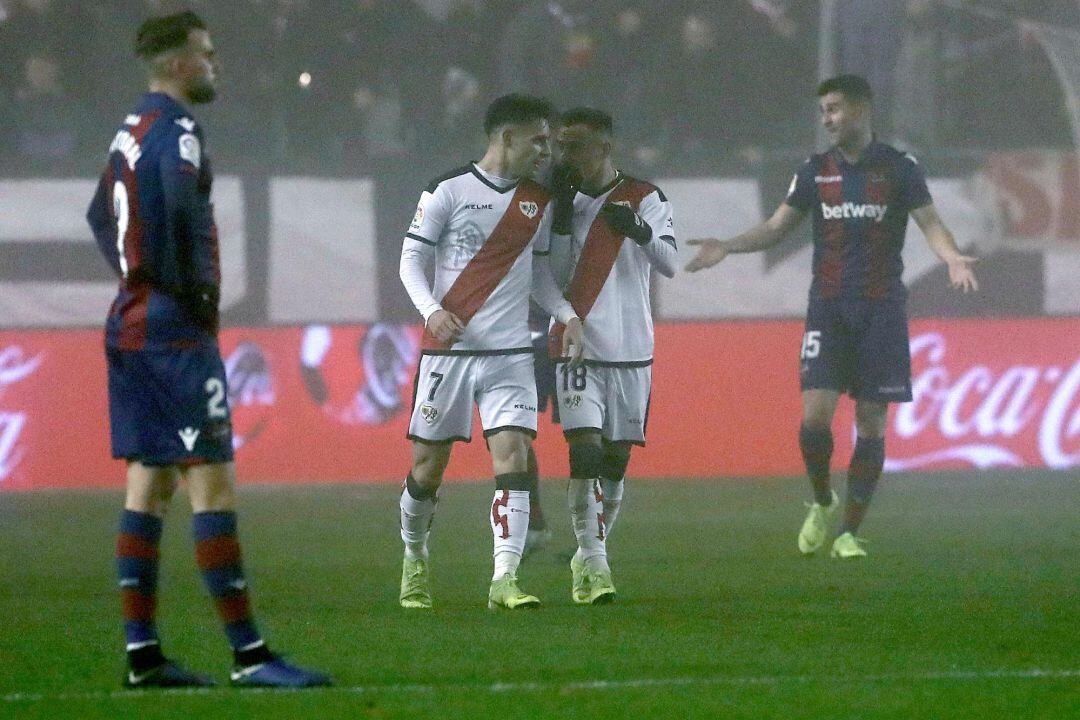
482, 224
609, 233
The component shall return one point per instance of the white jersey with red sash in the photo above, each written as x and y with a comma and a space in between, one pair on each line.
483, 233
606, 276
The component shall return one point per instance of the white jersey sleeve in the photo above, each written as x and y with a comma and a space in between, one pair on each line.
655, 209
418, 248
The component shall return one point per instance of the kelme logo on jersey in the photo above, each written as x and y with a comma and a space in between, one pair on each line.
430, 413
529, 208
853, 210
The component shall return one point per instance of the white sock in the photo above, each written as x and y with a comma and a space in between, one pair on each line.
416, 516
613, 492
586, 503
509, 520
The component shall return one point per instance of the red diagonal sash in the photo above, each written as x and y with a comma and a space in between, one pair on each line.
496, 256
598, 256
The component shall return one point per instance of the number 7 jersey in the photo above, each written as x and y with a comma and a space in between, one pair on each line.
606, 276
482, 235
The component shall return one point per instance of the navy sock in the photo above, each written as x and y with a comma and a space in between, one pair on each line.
816, 444
863, 474
137, 570
217, 552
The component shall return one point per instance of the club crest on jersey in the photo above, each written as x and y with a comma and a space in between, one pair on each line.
529, 208
430, 413
418, 218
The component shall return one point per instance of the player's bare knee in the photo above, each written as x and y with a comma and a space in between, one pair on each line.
429, 464
819, 406
817, 416
149, 488
211, 487
871, 418
509, 451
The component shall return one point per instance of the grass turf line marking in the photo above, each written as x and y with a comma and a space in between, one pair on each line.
578, 686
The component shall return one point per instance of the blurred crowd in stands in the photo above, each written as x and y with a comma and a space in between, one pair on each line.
357, 87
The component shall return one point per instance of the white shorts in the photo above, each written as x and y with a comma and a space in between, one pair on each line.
502, 386
613, 399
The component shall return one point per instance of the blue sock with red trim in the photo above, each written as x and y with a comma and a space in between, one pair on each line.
217, 552
866, 464
816, 444
137, 571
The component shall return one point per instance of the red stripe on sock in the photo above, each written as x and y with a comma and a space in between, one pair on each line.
128, 545
233, 608
137, 605
217, 552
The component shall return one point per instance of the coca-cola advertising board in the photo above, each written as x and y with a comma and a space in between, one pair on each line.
331, 403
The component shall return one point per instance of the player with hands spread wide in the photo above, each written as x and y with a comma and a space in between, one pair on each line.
860, 193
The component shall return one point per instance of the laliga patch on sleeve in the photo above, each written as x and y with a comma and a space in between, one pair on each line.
190, 149
418, 218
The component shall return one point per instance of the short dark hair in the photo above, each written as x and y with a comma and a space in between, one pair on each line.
590, 117
516, 109
167, 32
852, 87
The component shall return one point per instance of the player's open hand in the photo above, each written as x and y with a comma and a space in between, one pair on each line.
961, 276
710, 252
445, 326
573, 342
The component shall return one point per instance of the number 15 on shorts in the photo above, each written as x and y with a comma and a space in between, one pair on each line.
811, 345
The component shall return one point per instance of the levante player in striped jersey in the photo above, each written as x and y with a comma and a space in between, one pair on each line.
168, 404
860, 193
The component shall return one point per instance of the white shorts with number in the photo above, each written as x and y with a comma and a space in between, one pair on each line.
502, 387
613, 399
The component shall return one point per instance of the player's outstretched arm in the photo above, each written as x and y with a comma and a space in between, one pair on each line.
941, 241
760, 237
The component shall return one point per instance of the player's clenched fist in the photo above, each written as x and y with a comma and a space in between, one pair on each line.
623, 219
445, 326
710, 252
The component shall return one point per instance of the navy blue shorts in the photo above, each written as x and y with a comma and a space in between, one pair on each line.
169, 408
859, 347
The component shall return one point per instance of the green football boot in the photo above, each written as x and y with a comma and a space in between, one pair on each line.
816, 525
847, 547
415, 585
505, 593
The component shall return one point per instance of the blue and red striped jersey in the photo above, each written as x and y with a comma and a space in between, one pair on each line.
153, 221
860, 219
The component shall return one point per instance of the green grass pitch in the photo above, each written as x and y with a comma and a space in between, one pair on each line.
968, 607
